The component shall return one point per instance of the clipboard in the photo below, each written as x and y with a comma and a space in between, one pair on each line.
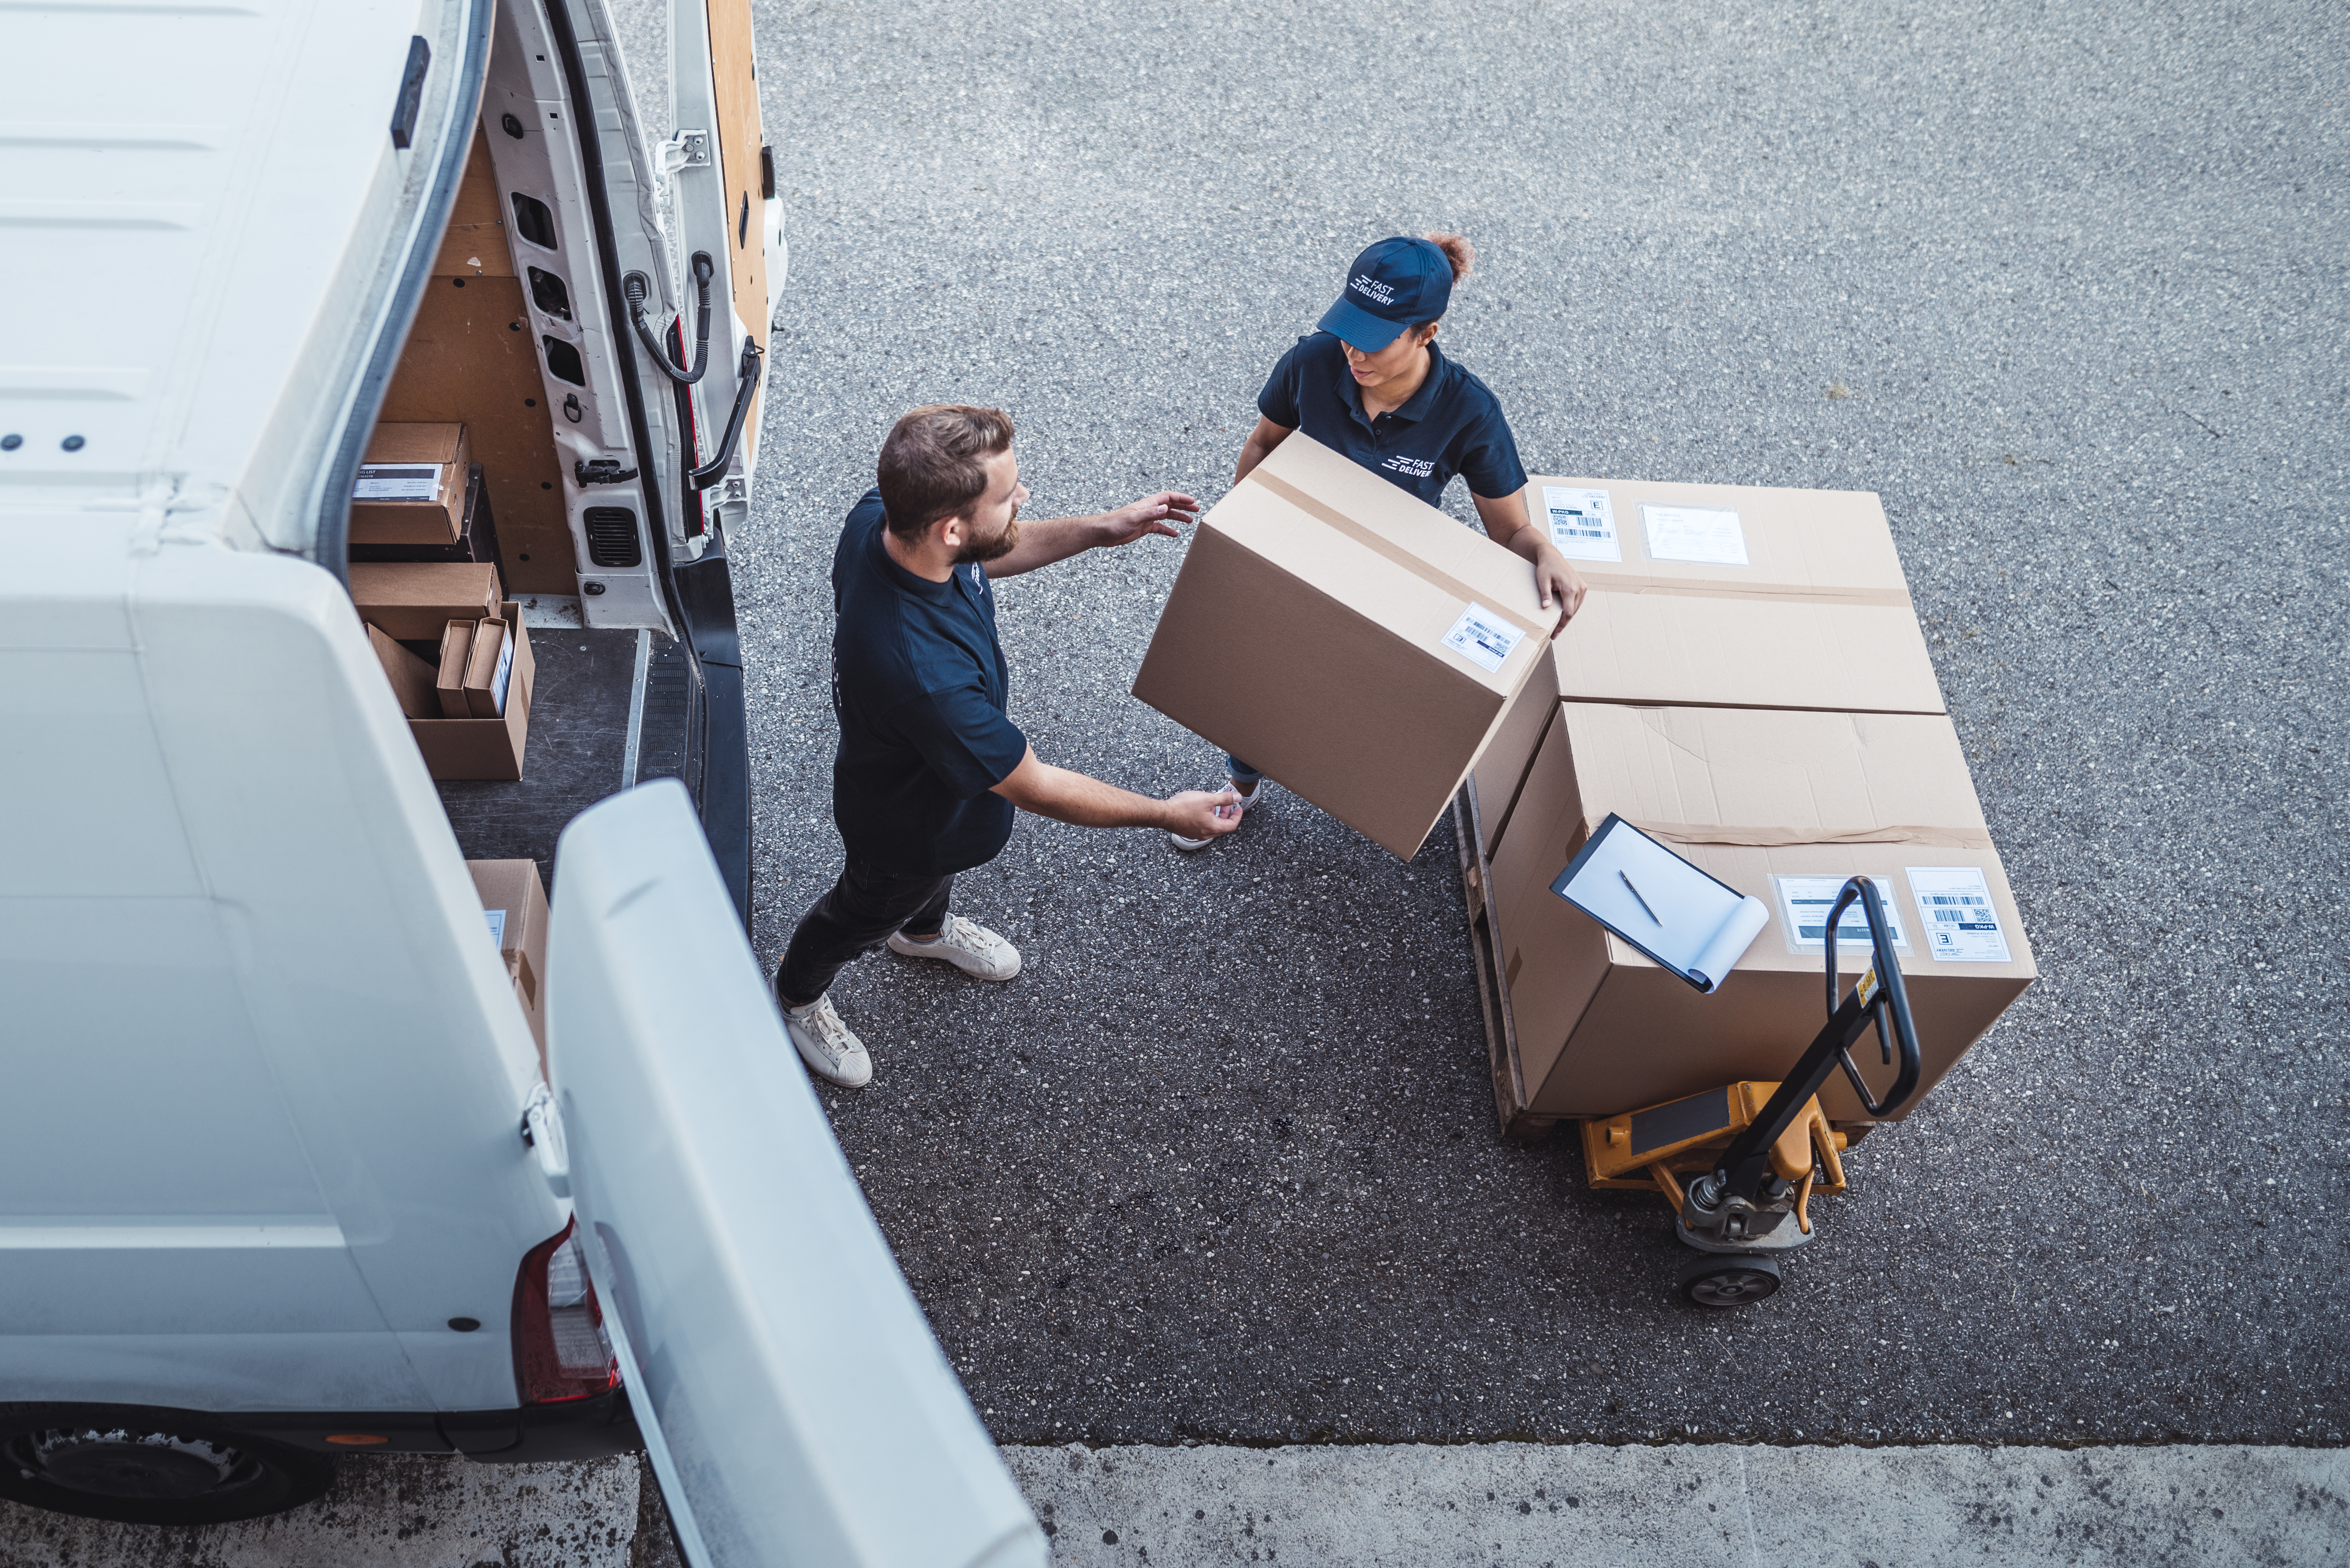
1685, 918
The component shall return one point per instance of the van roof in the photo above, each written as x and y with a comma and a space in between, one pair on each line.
205, 198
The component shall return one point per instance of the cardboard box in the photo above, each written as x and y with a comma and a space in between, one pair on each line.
1753, 797
1316, 631
514, 900
1815, 614
488, 665
449, 675
478, 541
414, 601
410, 486
410, 677
484, 748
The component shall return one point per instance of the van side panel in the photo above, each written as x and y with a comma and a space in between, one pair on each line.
266, 1071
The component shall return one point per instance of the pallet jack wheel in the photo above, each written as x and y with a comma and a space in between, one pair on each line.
1729, 1280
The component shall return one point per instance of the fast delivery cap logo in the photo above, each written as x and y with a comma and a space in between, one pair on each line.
1395, 284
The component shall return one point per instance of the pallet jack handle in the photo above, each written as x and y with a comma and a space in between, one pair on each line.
1878, 998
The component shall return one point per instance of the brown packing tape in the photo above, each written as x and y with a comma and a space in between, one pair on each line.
1788, 838
1372, 539
1698, 588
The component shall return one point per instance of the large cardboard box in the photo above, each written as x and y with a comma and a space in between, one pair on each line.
1739, 596
514, 900
485, 748
414, 601
410, 486
1817, 617
1759, 799
1348, 640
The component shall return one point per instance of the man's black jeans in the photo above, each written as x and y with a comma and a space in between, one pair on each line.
859, 913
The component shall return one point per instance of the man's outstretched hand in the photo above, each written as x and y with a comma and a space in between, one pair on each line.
1203, 813
1152, 515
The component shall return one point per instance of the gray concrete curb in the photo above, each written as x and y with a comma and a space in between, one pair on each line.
1398, 1506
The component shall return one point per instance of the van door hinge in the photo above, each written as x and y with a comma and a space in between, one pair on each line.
542, 1134
686, 150
601, 470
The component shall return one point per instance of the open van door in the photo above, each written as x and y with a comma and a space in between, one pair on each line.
727, 208
794, 1404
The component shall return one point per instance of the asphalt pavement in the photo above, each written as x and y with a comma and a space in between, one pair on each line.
2064, 283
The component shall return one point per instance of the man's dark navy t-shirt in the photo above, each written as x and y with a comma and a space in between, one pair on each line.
918, 683
1452, 425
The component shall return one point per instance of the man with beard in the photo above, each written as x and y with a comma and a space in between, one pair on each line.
930, 768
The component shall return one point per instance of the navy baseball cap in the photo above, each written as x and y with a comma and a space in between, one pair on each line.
1395, 284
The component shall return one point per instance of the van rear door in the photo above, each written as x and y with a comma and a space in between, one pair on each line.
794, 1404
726, 205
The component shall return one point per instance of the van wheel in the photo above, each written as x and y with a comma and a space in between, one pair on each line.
138, 1466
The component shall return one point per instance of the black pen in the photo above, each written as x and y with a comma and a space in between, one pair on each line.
1636, 893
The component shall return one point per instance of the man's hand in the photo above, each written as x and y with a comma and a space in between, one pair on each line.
1152, 515
1202, 813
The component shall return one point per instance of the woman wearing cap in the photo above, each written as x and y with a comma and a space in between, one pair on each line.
1371, 383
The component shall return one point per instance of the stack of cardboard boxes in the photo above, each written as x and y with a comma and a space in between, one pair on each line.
1746, 682
468, 705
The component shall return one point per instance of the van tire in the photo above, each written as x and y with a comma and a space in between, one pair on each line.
133, 1465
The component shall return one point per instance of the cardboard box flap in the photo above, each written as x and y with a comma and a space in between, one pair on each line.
1403, 598
1352, 499
1834, 543
414, 443
1746, 652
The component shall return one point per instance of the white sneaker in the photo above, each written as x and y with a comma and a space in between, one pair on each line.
825, 1044
966, 944
1239, 808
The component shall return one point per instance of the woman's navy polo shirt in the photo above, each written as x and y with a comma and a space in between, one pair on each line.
1452, 425
919, 683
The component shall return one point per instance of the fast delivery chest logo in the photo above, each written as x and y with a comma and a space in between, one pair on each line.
1372, 288
1410, 467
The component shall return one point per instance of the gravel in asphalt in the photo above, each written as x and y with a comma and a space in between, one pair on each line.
2064, 284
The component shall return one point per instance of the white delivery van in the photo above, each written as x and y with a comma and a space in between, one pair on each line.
285, 1170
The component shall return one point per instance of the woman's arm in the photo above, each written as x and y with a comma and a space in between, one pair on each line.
1260, 444
1507, 524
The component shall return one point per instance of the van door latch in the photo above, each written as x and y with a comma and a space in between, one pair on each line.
686, 150
601, 470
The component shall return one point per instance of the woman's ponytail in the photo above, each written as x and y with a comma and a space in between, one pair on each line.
1457, 250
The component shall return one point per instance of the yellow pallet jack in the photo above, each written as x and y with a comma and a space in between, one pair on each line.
1760, 1152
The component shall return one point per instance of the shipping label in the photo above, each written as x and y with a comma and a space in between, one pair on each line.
1700, 533
1582, 524
398, 482
1961, 922
1805, 901
1484, 639
505, 671
498, 918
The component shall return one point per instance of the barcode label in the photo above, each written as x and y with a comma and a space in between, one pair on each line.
1962, 921
1805, 902
1582, 524
398, 482
1482, 637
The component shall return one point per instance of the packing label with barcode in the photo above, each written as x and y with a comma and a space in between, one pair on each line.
502, 676
1483, 638
1582, 524
398, 482
1805, 902
498, 918
1961, 922
1704, 534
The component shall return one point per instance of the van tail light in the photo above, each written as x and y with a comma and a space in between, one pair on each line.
560, 1349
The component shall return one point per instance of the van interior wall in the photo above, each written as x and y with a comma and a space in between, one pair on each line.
472, 357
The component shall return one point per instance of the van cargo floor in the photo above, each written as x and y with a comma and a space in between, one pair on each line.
578, 747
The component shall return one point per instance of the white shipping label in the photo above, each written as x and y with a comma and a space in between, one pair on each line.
1582, 524
1483, 638
398, 482
1697, 534
498, 918
505, 671
1805, 902
1961, 922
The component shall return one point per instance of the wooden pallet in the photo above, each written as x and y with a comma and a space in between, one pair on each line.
1519, 1124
